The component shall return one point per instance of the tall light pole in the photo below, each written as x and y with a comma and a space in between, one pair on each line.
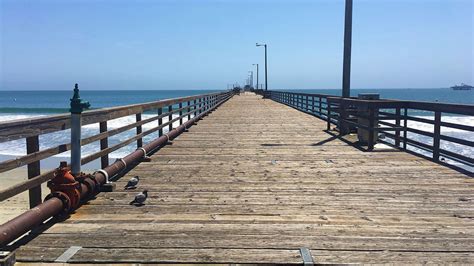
346, 71
257, 73
251, 78
266, 80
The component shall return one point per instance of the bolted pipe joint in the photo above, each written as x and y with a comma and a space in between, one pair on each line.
65, 187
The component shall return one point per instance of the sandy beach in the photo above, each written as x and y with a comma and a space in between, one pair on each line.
16, 205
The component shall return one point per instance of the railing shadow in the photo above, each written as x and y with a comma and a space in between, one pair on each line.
322, 142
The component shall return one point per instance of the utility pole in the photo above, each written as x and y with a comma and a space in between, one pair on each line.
346, 72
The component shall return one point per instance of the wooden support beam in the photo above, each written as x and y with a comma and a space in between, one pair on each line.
32, 145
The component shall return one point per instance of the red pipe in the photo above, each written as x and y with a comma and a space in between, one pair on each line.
55, 203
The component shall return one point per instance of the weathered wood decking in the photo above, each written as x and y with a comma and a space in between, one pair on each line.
255, 181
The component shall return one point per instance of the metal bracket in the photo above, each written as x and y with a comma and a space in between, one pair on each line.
124, 164
104, 173
306, 256
145, 158
168, 141
144, 151
107, 186
68, 254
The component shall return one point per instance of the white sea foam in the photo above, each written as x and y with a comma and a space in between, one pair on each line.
18, 147
446, 145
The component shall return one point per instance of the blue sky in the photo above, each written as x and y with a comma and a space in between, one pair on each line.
207, 44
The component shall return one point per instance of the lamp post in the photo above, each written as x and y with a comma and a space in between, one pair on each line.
257, 74
251, 79
266, 80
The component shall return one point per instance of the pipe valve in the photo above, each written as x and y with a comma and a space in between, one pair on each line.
65, 187
77, 104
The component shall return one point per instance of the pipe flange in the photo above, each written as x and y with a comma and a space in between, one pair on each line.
92, 186
67, 207
167, 137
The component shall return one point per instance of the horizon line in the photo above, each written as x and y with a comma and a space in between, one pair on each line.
373, 88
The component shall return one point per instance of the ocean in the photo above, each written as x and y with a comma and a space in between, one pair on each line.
27, 104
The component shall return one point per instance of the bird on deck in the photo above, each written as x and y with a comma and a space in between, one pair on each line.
132, 183
140, 198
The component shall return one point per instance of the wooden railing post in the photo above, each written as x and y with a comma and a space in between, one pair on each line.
320, 108
199, 106
170, 117
32, 145
180, 113
397, 123
371, 141
312, 104
139, 130
436, 137
307, 103
160, 121
328, 105
405, 128
195, 107
343, 126
104, 144
189, 110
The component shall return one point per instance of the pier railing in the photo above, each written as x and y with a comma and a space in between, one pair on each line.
424, 128
173, 111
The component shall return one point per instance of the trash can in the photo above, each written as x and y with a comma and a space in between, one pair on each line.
362, 133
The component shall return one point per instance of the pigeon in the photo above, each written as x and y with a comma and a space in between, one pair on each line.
140, 198
132, 183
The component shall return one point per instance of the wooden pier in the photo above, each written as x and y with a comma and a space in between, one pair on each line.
254, 182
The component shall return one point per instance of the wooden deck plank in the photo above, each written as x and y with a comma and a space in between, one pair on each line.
256, 180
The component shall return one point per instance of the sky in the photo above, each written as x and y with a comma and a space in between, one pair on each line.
118, 44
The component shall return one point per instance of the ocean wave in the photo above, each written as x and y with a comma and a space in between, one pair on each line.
18, 147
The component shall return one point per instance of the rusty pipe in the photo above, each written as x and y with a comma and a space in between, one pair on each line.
54, 205
14, 228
